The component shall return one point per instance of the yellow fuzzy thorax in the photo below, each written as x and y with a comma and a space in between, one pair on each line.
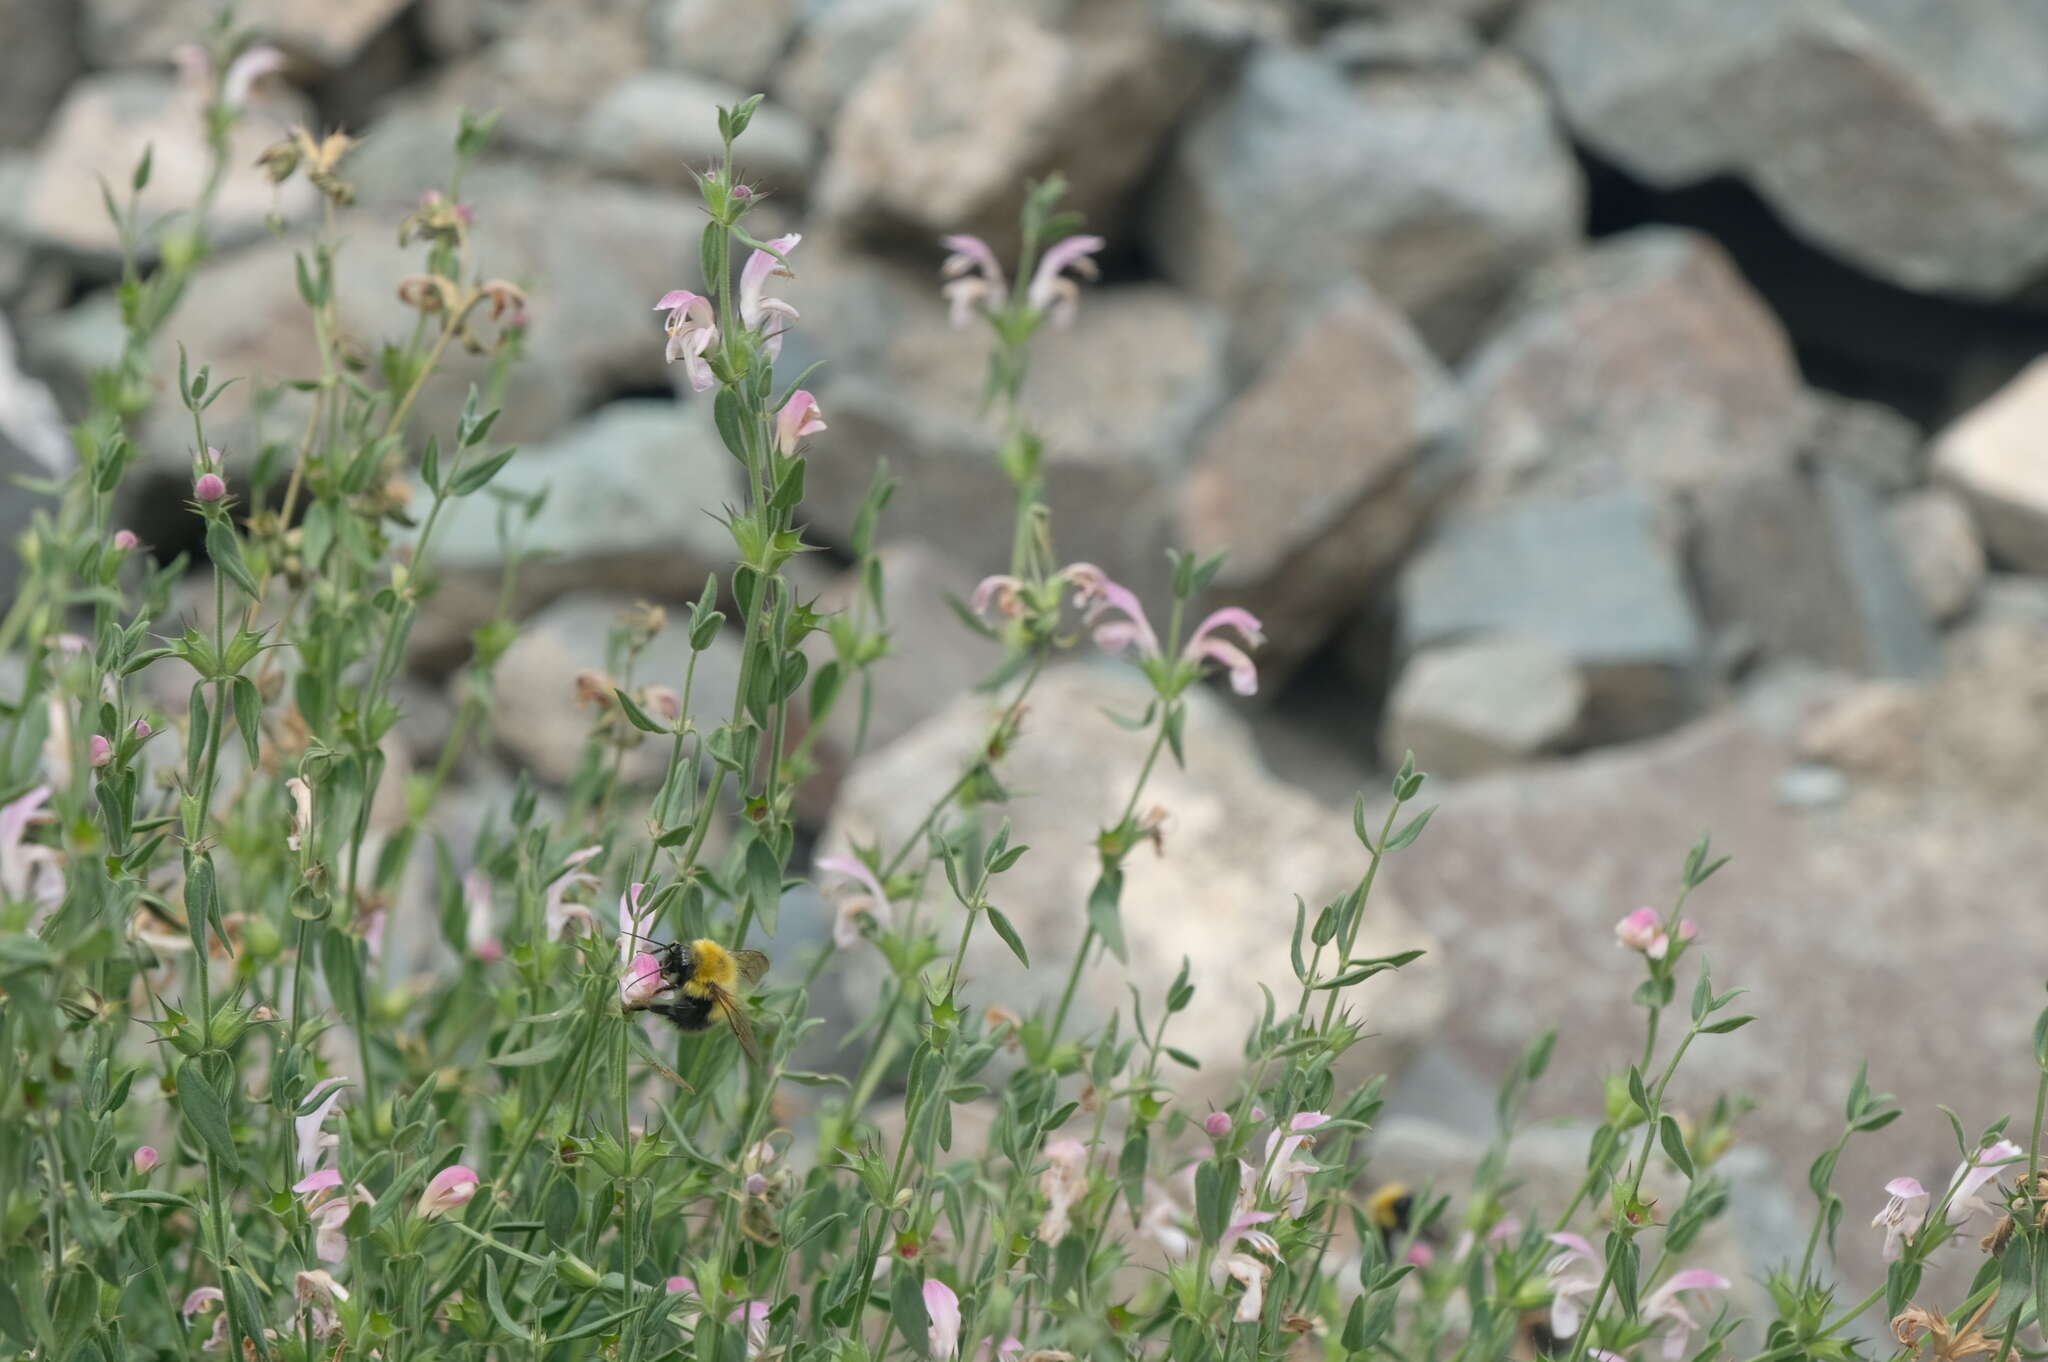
1383, 1207
712, 966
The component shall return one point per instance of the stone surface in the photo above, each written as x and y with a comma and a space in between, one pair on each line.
1465, 708
1439, 187
1645, 361
1993, 456
39, 56
739, 44
657, 126
100, 132
1421, 40
326, 33
1117, 399
835, 49
946, 127
1597, 578
535, 716
1316, 522
549, 63
1868, 439
33, 444
1938, 542
1808, 566
1877, 729
1238, 847
1907, 139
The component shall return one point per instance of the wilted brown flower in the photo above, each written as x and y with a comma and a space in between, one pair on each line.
1948, 1343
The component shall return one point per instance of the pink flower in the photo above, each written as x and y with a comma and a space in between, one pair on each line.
1574, 1278
1209, 645
313, 1144
974, 281
102, 751
146, 1158
142, 728
1117, 619
329, 1213
1902, 1215
1243, 1229
755, 1313
1216, 1124
1970, 1177
244, 71
302, 811
678, 1285
210, 487
1054, 294
480, 932
641, 982
692, 330
28, 871
1063, 1182
1287, 1175
1662, 1307
125, 541
318, 1287
1002, 591
1421, 1256
1640, 929
1252, 1273
202, 1299
942, 1309
770, 316
866, 900
448, 1189
799, 419
560, 915
1008, 1350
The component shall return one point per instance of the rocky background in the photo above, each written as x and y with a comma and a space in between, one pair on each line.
1626, 404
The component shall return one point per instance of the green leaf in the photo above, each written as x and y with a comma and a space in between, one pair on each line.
1623, 1260
1215, 1193
1008, 933
906, 1306
494, 1297
473, 477
1104, 915
1673, 1141
225, 550
1408, 834
1130, 1169
249, 717
145, 1199
637, 716
1720, 1028
1636, 1092
207, 1112
540, 1052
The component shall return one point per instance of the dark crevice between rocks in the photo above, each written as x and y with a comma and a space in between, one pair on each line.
160, 513
398, 56
1928, 356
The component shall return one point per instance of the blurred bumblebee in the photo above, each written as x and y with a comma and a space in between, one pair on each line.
705, 980
1390, 1208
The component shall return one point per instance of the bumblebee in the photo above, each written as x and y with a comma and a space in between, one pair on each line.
1389, 1209
706, 979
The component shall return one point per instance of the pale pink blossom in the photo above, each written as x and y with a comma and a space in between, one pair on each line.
1420, 1256
692, 330
141, 729
1008, 1350
302, 812
799, 419
28, 871
313, 1143
641, 982
1003, 592
1640, 929
1209, 644
201, 1299
1574, 1279
1063, 1182
146, 1158
755, 1315
480, 926
1662, 1308
1287, 1174
328, 1212
1216, 1124
209, 487
560, 916
770, 316
678, 1285
942, 1310
862, 898
318, 1287
1116, 618
974, 280
1252, 1273
1051, 291
448, 1190
1902, 1215
102, 751
125, 541
244, 71
57, 744
1969, 1179
1243, 1229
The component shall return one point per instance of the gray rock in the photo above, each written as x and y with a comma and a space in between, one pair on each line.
1238, 846
325, 33
1878, 728
1908, 139
1470, 707
38, 57
1868, 439
945, 128
535, 715
1810, 785
1645, 361
549, 62
1938, 542
658, 126
33, 444
835, 50
100, 132
1316, 520
1438, 187
739, 44
1597, 578
1993, 456
1809, 567
1422, 40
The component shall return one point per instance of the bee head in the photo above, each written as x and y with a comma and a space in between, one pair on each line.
1390, 1206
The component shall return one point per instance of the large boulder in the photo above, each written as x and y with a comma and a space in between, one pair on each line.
38, 57
1943, 554
835, 49
1994, 456
549, 62
1645, 362
327, 33
661, 127
1463, 708
943, 131
1908, 139
1438, 186
1239, 845
1319, 477
33, 444
736, 43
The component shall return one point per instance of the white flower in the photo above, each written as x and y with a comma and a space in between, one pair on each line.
1902, 1216
1063, 1182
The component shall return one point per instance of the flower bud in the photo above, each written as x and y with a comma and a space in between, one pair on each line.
1217, 1124
102, 751
125, 541
142, 729
146, 1158
577, 1273
210, 487
450, 1189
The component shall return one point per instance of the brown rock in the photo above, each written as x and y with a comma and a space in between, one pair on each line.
1943, 555
1875, 729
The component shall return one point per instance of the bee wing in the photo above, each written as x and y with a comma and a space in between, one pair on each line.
736, 1017
753, 964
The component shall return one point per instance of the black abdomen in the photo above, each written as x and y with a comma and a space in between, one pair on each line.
692, 1014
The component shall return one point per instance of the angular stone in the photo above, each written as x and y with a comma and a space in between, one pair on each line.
1938, 542
1317, 519
1867, 439
657, 126
835, 50
1470, 707
38, 57
1438, 187
739, 44
1993, 456
1807, 566
1876, 729
326, 33
1597, 578
1908, 139
534, 711
100, 133
1644, 361
943, 131
549, 63
1238, 847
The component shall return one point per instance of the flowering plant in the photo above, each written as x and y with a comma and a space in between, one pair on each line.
224, 1128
